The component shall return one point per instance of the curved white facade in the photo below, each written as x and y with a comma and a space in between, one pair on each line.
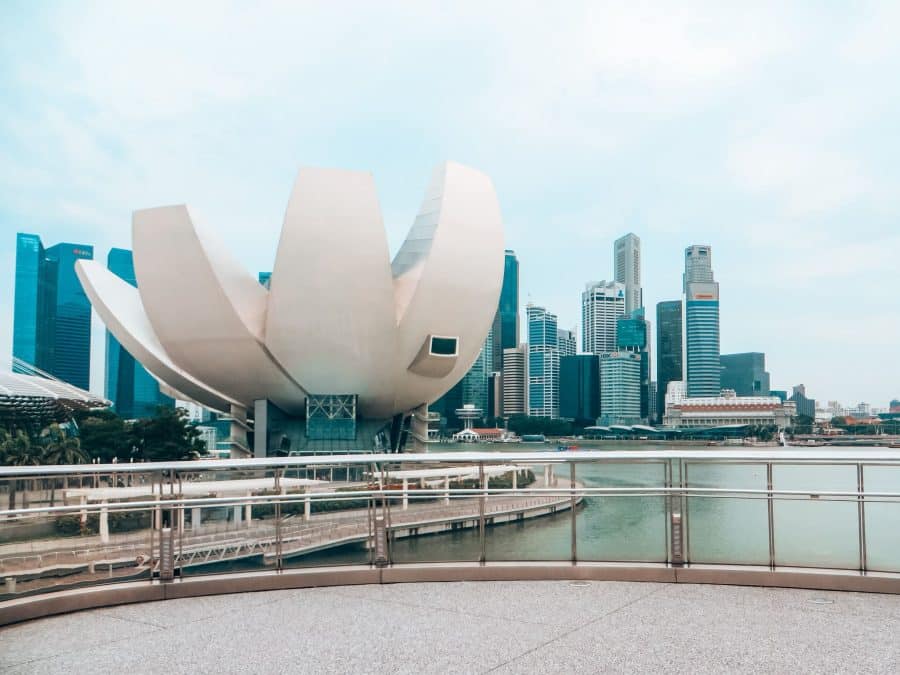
339, 318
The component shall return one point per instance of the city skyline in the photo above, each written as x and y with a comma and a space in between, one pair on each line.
635, 128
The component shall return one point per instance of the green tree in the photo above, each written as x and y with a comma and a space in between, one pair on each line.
104, 436
165, 437
60, 448
17, 450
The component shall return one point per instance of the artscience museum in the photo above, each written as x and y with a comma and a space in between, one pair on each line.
345, 348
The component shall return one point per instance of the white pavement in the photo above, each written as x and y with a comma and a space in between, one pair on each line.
473, 627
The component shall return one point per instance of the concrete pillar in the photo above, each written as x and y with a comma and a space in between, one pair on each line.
546, 475
447, 488
83, 501
553, 479
405, 494
515, 484
196, 518
181, 518
104, 523
237, 514
307, 507
248, 511
157, 515
261, 427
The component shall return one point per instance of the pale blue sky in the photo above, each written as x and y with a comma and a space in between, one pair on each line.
770, 133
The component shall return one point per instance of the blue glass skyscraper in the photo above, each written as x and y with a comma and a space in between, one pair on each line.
543, 363
669, 329
506, 322
701, 323
129, 386
52, 315
633, 335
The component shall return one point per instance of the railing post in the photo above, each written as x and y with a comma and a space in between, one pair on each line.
481, 504
861, 511
380, 543
676, 531
166, 555
770, 500
572, 508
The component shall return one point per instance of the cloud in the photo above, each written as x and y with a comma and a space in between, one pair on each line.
767, 131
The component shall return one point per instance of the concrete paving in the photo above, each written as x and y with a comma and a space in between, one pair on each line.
473, 627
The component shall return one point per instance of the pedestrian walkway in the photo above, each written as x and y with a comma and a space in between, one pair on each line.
473, 627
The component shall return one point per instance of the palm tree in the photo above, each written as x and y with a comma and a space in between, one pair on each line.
17, 450
60, 449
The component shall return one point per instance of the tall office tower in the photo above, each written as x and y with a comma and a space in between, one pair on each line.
579, 388
701, 323
543, 363
668, 350
475, 382
620, 388
494, 394
506, 321
129, 386
627, 263
515, 379
52, 315
602, 304
745, 373
633, 335
566, 341
654, 414
805, 406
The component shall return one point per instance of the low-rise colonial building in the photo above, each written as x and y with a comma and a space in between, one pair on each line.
710, 411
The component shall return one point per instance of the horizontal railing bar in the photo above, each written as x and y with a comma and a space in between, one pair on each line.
427, 493
773, 454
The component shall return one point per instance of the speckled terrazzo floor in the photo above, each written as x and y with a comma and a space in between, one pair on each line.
473, 627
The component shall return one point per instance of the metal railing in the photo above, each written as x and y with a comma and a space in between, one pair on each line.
770, 508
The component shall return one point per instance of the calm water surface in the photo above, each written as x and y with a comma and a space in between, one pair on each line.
808, 532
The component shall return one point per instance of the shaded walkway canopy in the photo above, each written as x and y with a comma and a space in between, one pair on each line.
32, 401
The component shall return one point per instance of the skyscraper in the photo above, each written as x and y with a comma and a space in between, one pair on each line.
806, 407
52, 316
701, 322
668, 350
567, 343
620, 388
506, 322
515, 378
745, 373
129, 386
579, 388
543, 363
602, 304
633, 335
475, 382
627, 264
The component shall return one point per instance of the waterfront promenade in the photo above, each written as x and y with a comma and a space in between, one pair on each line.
473, 627
84, 558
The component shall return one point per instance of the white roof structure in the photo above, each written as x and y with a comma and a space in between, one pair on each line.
451, 471
42, 399
338, 318
222, 488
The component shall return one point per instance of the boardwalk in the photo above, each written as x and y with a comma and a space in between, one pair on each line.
127, 554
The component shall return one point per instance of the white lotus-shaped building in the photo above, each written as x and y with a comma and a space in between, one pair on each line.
341, 332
